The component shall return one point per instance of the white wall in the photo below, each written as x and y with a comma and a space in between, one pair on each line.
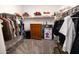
10, 9
41, 8
29, 21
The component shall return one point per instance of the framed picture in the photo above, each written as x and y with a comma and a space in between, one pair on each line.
48, 33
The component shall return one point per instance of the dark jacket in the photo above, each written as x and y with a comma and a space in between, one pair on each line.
56, 29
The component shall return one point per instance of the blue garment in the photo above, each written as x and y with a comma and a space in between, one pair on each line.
22, 26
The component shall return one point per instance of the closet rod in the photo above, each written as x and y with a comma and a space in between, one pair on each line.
74, 17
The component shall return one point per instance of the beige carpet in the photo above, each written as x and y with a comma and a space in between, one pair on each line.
31, 46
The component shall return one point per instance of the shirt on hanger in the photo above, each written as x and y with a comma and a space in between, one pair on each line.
2, 43
68, 30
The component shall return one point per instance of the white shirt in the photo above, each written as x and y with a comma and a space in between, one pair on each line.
68, 30
2, 43
17, 20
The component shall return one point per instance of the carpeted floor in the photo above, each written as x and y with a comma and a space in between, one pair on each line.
31, 46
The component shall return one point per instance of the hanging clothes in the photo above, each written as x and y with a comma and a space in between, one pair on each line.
22, 26
19, 24
7, 33
56, 29
17, 20
11, 27
68, 29
16, 27
75, 47
2, 44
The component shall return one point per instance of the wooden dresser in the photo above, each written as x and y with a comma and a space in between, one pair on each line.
35, 31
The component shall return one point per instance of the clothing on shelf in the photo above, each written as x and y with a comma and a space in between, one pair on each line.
68, 29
